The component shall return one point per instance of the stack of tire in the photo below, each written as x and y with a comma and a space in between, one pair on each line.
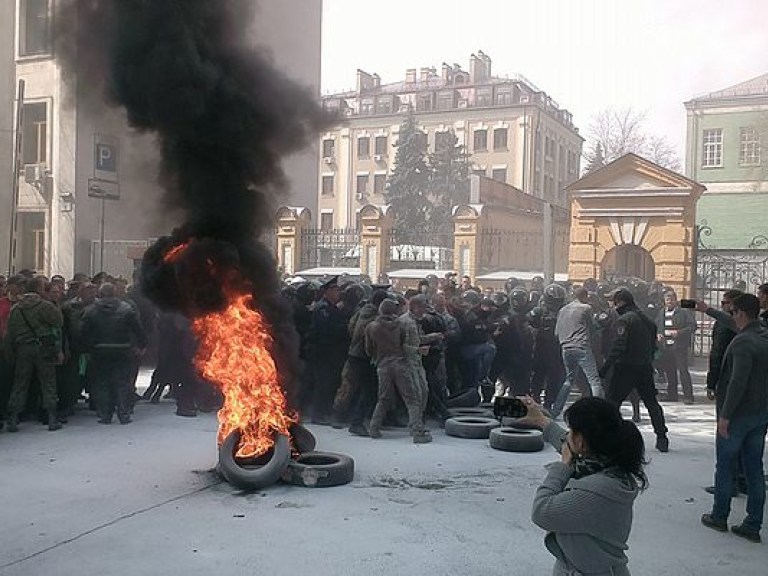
309, 468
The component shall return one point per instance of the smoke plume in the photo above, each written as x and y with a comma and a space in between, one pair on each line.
224, 118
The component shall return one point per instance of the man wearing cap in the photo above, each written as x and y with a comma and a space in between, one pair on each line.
631, 358
329, 346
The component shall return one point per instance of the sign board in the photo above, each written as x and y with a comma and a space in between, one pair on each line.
106, 155
103, 189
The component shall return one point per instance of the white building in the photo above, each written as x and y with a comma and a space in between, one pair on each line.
58, 223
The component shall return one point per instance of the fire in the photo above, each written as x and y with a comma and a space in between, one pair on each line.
233, 353
174, 253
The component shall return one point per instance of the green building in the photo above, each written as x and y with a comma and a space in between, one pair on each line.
727, 151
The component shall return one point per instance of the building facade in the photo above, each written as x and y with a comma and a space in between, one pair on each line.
727, 133
59, 225
513, 132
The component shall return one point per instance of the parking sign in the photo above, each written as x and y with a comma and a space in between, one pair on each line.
106, 150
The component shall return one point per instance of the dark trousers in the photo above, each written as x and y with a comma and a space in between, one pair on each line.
548, 372
640, 378
327, 367
363, 401
674, 360
110, 376
31, 362
69, 383
6, 379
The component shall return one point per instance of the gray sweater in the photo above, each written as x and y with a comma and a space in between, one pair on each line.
588, 519
574, 326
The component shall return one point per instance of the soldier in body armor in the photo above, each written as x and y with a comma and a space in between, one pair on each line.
548, 369
514, 343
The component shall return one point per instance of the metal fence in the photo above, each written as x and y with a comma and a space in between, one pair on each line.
421, 250
337, 247
720, 270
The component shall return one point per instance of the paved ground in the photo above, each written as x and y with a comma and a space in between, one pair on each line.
140, 499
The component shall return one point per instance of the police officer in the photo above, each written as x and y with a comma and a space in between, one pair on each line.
329, 346
33, 341
547, 363
631, 358
112, 333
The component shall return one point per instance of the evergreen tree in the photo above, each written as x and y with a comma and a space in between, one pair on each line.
408, 184
595, 159
450, 168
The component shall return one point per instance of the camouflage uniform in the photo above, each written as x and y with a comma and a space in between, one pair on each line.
33, 342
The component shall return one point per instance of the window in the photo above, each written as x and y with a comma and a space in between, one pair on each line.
381, 145
35, 133
483, 97
326, 221
328, 185
749, 151
442, 140
500, 139
384, 105
481, 140
379, 183
478, 171
34, 28
362, 184
329, 148
712, 155
363, 148
499, 174
366, 106
424, 103
504, 98
446, 101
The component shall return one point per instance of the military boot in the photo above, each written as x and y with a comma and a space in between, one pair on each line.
12, 424
53, 421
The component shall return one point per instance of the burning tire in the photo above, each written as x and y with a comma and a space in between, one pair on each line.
474, 427
480, 412
517, 440
319, 470
258, 475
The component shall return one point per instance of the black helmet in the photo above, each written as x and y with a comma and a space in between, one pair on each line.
500, 300
306, 293
590, 285
555, 294
470, 298
511, 284
519, 295
537, 282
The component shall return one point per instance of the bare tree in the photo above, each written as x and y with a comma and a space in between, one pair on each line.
614, 133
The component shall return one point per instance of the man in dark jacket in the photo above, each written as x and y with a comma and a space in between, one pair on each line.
631, 358
675, 328
742, 420
33, 342
112, 332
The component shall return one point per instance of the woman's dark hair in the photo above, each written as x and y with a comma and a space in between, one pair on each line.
614, 440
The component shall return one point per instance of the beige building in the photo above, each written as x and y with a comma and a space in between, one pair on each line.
59, 224
513, 131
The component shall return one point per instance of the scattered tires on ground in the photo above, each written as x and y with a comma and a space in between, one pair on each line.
516, 439
256, 474
474, 427
319, 470
466, 399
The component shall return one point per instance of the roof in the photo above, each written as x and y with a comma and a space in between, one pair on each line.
732, 221
755, 87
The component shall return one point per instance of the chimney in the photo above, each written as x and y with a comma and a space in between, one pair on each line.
425, 74
447, 73
410, 76
475, 69
487, 61
365, 81
376, 79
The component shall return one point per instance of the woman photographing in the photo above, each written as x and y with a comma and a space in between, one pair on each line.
585, 502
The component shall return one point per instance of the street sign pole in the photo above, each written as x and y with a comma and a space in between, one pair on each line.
105, 184
101, 232
16, 177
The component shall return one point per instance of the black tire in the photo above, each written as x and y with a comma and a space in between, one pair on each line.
517, 440
466, 399
471, 412
470, 427
264, 472
302, 439
515, 423
319, 470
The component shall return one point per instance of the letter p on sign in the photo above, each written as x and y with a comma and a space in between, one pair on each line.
106, 158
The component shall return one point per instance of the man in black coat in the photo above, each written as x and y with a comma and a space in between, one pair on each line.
329, 341
631, 358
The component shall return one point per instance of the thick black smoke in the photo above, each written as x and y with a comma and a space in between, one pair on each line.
188, 71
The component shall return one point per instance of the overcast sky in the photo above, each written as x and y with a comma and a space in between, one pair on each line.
586, 54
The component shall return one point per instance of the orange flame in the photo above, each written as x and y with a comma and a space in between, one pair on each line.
174, 253
234, 354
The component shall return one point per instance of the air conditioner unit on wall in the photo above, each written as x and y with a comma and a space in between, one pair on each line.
32, 173
329, 159
379, 158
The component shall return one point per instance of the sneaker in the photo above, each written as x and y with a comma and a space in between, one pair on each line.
374, 432
662, 444
186, 412
105, 420
126, 420
711, 490
710, 522
746, 533
358, 430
